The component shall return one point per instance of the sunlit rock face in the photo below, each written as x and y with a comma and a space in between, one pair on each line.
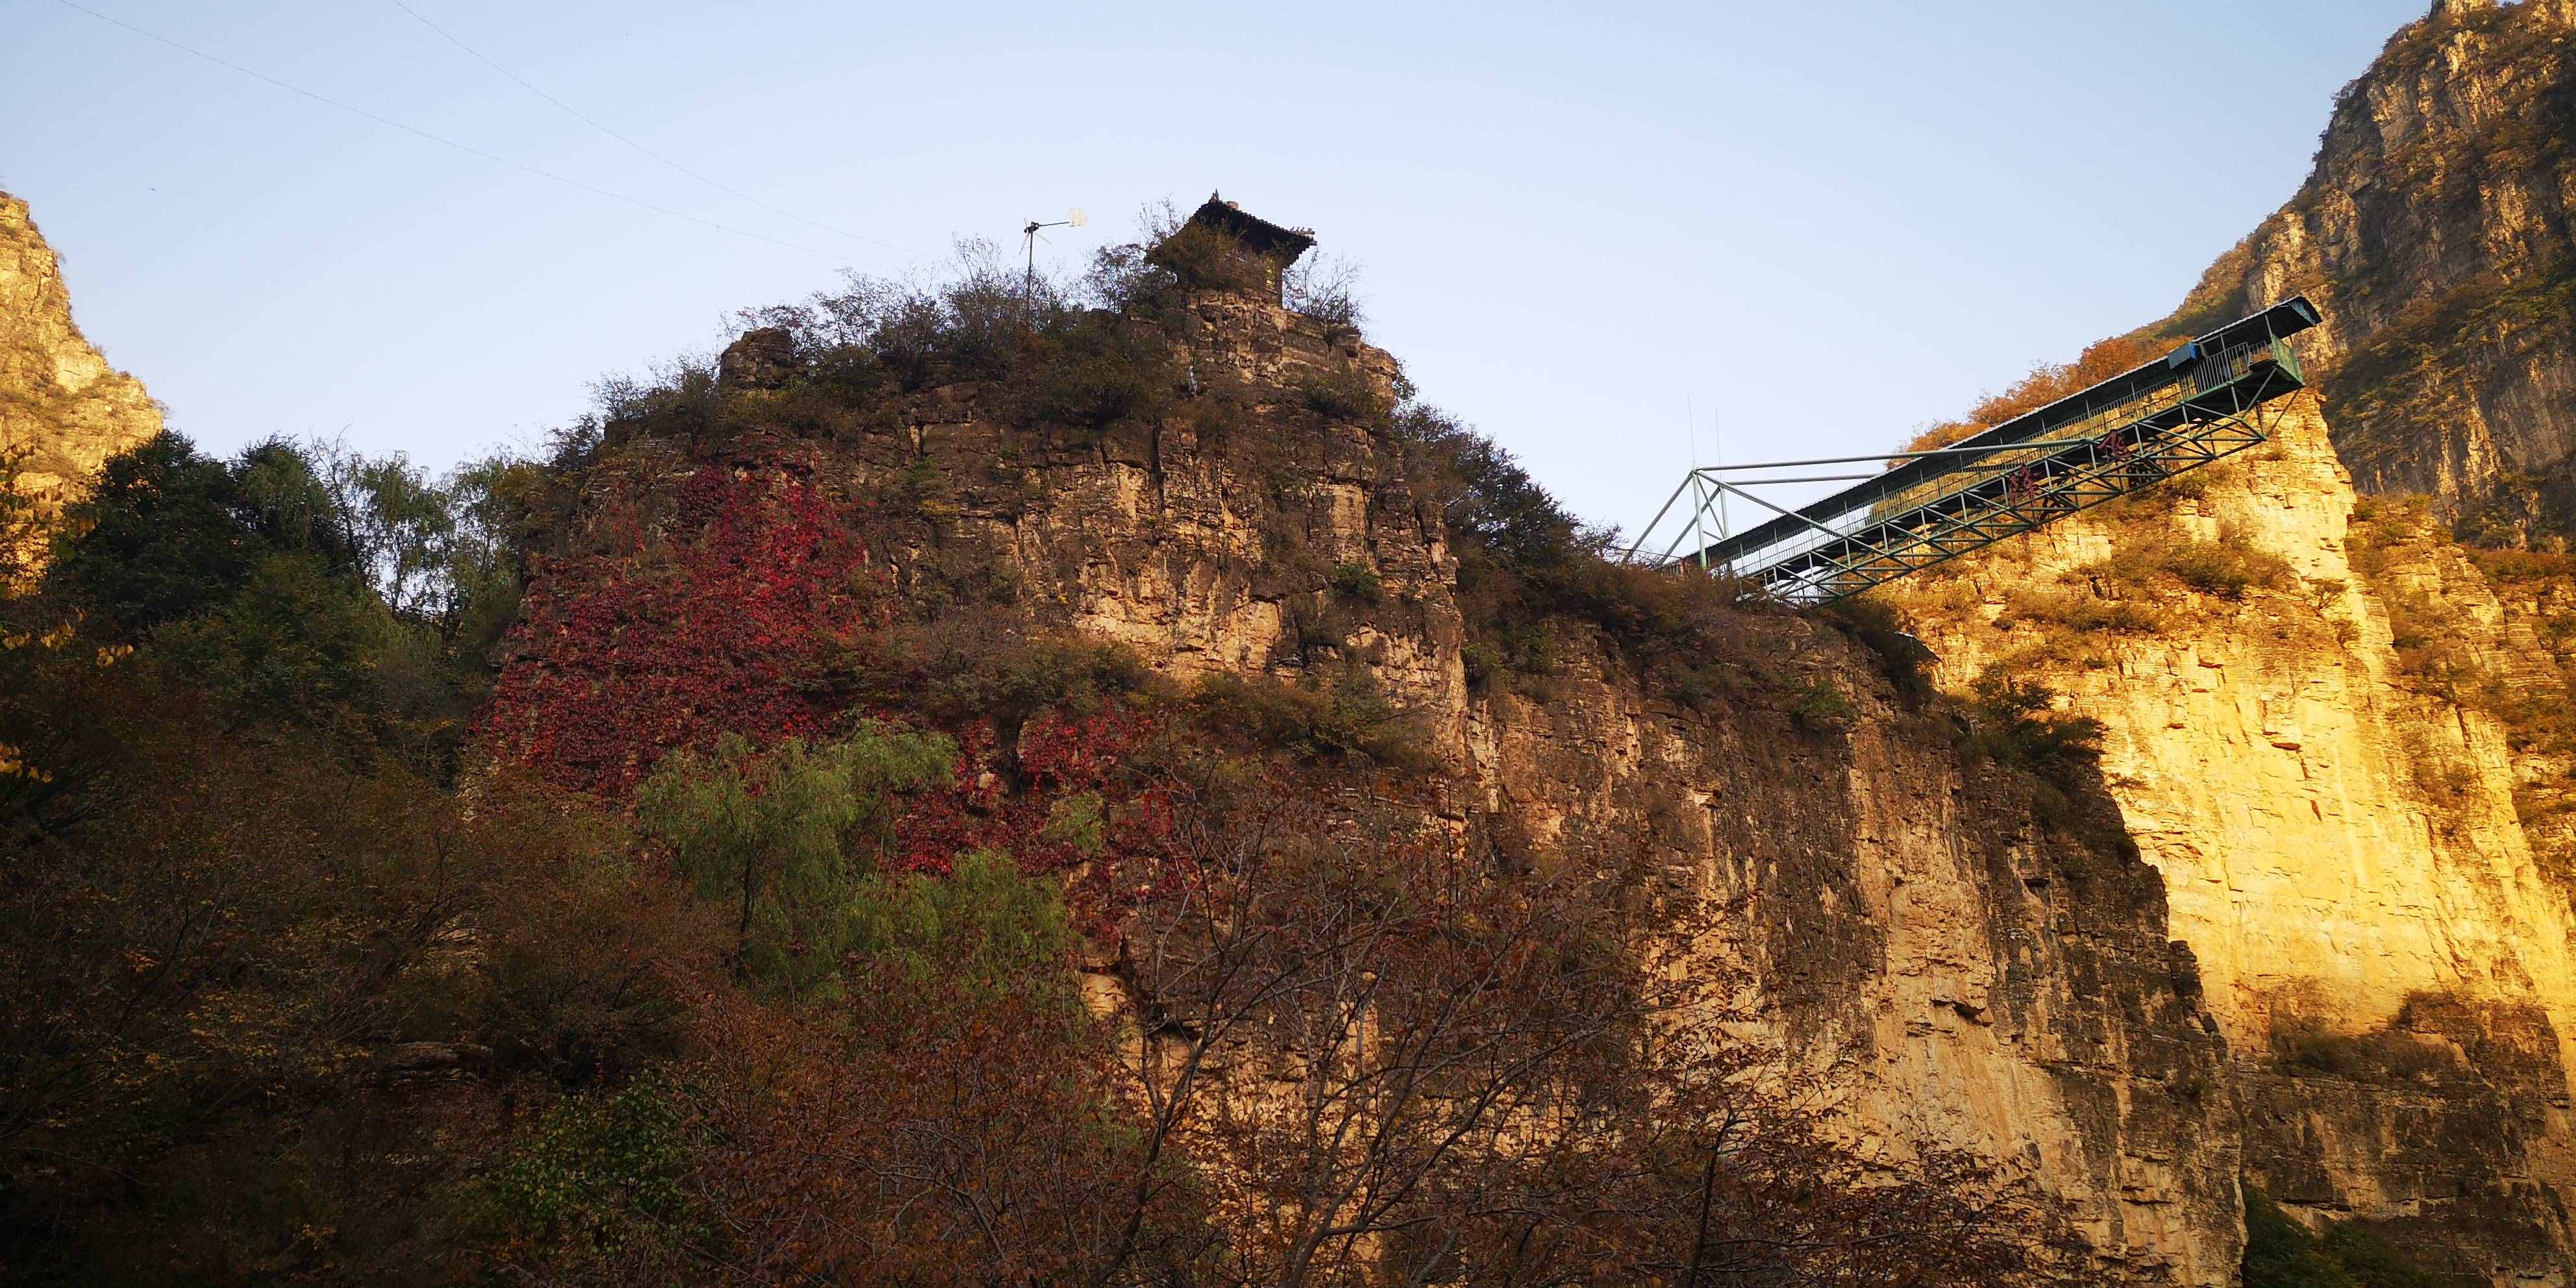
2336, 724
63, 409
2438, 232
2382, 941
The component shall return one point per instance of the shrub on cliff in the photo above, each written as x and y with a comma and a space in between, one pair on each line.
983, 664
2373, 1262
1881, 628
1345, 716
1523, 560
2013, 723
2226, 568
2281, 1253
782, 838
1083, 357
1483, 496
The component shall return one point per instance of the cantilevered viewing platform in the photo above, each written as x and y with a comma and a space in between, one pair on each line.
2198, 404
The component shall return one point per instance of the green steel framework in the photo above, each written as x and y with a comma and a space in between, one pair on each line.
2202, 402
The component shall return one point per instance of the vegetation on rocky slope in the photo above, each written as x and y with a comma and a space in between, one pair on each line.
63, 410
2281, 1253
782, 909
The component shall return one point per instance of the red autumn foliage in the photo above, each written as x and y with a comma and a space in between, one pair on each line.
2046, 383
738, 623
1083, 762
624, 656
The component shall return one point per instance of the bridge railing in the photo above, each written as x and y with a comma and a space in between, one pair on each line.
2128, 432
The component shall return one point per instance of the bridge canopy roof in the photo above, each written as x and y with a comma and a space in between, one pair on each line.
2288, 317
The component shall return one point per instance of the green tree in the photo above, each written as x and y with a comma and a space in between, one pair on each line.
985, 928
604, 1172
439, 551
241, 576
2280, 1253
784, 835
302, 583
162, 538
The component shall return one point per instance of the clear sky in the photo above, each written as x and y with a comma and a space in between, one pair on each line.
1820, 223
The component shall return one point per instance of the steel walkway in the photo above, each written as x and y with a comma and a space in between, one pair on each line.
2198, 404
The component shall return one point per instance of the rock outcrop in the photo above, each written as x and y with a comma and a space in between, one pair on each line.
2384, 947
2438, 233
1962, 966
2310, 926
2341, 736
63, 409
1966, 957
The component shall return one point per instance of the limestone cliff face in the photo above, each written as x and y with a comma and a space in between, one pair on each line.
2341, 737
1964, 967
2382, 943
1961, 970
61, 404
2438, 233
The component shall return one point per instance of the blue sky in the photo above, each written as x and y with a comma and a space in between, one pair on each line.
1818, 224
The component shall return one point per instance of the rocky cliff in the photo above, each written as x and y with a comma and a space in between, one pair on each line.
2384, 945
2339, 733
63, 409
2309, 925
2438, 232
1966, 955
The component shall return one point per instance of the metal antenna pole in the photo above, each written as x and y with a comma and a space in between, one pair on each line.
1030, 238
1699, 504
1717, 431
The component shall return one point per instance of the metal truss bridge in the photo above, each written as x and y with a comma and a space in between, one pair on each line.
2198, 404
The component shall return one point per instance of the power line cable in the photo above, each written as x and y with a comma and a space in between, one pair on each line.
466, 148
576, 114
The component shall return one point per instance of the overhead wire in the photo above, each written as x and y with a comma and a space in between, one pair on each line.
443, 141
576, 114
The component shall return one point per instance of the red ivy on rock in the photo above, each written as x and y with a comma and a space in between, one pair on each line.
620, 658
1060, 760
731, 624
